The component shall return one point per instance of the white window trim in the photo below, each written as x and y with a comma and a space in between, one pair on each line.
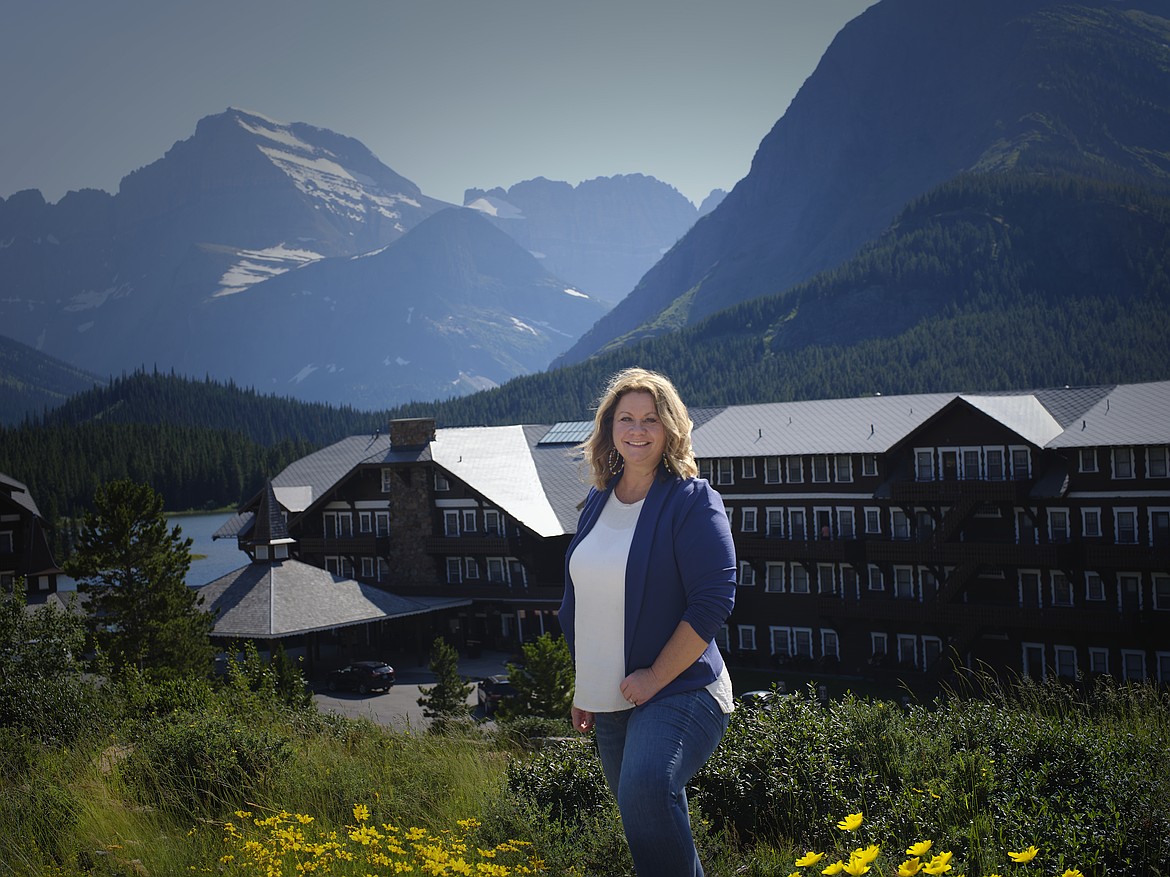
1060, 650
1099, 652
769, 513
1117, 513
1113, 455
784, 633
1012, 460
1052, 533
798, 570
869, 465
747, 575
747, 467
826, 633
877, 516
1158, 605
918, 474
744, 633
1085, 534
1134, 653
1004, 461
748, 519
1163, 452
964, 475
799, 479
770, 476
828, 468
774, 584
1081, 467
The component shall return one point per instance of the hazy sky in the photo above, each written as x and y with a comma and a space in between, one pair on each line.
451, 94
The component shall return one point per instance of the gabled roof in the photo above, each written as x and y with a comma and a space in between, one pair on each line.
497, 462
865, 425
285, 598
18, 492
1024, 415
1129, 414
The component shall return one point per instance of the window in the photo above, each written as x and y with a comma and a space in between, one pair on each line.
774, 577
6, 542
848, 580
899, 524
706, 470
876, 583
1021, 464
1163, 661
495, 570
454, 570
794, 466
1161, 592
1058, 525
517, 574
799, 579
1026, 531
383, 569
1029, 587
1158, 462
365, 522
907, 650
780, 641
1034, 661
993, 459
843, 468
904, 582
381, 523
386, 480
1087, 459
747, 467
1160, 528
1094, 587
877, 645
924, 464
1066, 662
748, 519
747, 638
771, 470
1129, 587
723, 639
826, 581
802, 642
873, 521
830, 645
929, 584
1125, 526
726, 470
775, 523
367, 567
338, 525
931, 650
1061, 590
1090, 523
971, 467
471, 568
869, 465
469, 521
1123, 462
796, 524
747, 575
450, 523
493, 522
820, 469
1133, 665
1098, 660
441, 482
845, 526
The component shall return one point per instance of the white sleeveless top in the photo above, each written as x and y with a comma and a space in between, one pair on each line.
598, 569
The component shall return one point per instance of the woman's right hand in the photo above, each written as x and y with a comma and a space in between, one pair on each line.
582, 720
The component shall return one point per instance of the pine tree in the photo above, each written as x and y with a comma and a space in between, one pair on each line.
544, 685
141, 612
445, 703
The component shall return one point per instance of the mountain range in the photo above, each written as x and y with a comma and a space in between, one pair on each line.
963, 195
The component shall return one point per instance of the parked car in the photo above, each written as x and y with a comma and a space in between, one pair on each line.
761, 698
492, 690
362, 677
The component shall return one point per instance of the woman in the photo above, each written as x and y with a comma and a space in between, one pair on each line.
650, 579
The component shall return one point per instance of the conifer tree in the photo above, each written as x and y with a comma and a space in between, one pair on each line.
445, 703
544, 684
133, 570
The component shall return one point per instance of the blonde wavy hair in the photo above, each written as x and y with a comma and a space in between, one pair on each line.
679, 456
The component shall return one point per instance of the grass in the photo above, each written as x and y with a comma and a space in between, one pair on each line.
157, 786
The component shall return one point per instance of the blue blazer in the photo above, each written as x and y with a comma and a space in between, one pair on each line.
681, 567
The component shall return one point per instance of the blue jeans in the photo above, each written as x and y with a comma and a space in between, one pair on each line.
649, 754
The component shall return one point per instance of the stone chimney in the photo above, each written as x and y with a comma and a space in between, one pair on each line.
415, 432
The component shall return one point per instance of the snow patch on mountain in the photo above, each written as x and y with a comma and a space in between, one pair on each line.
523, 327
88, 299
497, 207
256, 266
575, 292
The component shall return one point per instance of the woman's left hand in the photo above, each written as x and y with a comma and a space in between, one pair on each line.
640, 686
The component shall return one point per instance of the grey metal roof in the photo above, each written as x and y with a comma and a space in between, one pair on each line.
18, 491
288, 597
1129, 414
1022, 414
869, 424
570, 432
564, 480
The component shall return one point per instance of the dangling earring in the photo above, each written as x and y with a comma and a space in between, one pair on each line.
616, 461
666, 462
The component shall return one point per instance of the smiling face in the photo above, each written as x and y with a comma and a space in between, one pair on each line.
638, 433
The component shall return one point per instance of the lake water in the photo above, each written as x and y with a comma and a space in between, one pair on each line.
219, 556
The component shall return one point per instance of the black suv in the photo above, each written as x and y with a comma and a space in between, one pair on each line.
362, 677
492, 690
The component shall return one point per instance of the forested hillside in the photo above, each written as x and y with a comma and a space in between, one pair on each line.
990, 282
200, 444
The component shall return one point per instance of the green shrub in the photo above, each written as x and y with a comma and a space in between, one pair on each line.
563, 778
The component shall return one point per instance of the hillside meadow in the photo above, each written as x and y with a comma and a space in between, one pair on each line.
229, 777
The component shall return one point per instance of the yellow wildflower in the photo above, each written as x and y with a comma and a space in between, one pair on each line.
919, 849
1023, 856
910, 867
856, 867
867, 855
1072, 872
836, 868
361, 812
850, 822
809, 858
794, 874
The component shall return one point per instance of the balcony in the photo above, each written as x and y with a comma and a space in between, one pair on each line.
762, 548
475, 543
956, 491
363, 545
986, 617
482, 590
928, 551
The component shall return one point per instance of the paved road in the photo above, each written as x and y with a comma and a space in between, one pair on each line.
398, 707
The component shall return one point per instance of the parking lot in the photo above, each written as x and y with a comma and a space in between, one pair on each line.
398, 707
